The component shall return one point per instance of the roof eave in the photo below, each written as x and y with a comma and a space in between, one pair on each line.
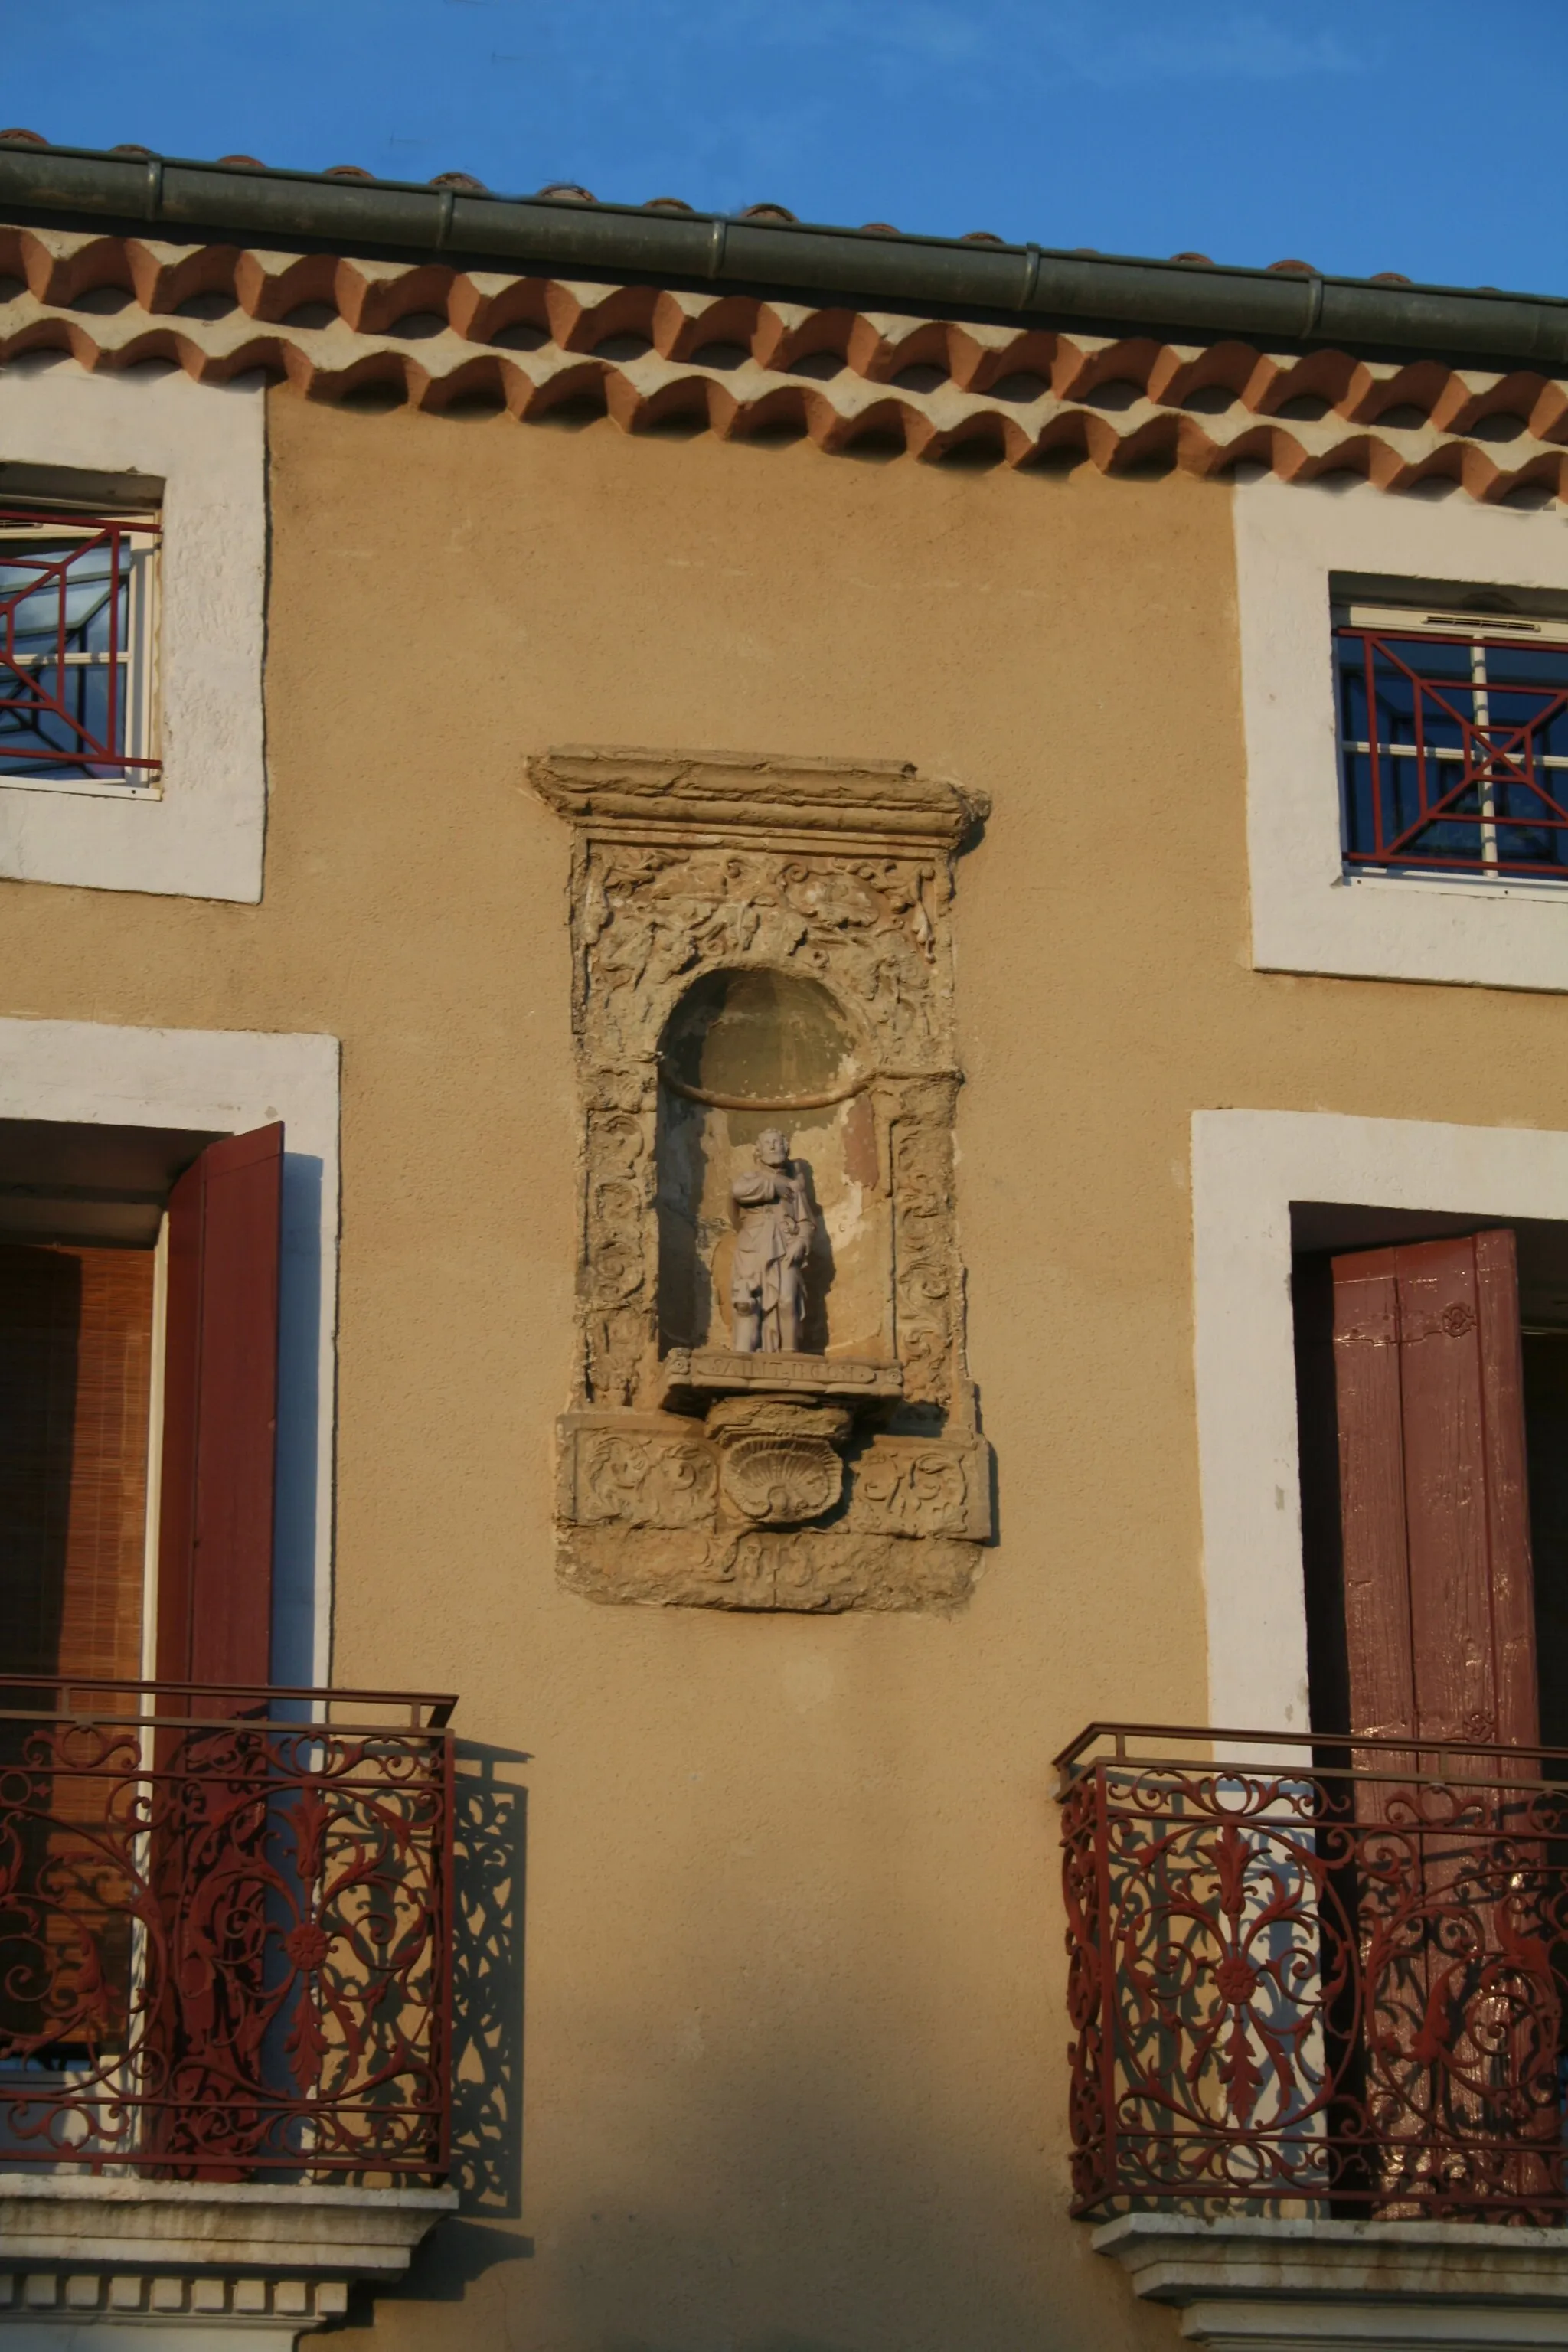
201, 202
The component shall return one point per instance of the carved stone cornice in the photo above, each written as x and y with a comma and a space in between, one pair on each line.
709, 792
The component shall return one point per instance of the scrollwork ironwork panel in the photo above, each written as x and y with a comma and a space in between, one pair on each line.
1338, 1986
224, 1943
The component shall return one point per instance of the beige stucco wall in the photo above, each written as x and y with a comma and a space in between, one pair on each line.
794, 2032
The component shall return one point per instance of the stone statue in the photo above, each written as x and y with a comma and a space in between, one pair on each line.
767, 1282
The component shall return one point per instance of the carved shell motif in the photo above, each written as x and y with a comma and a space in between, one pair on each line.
778, 1481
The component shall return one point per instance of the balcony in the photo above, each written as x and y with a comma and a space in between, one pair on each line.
1317, 1999
225, 1994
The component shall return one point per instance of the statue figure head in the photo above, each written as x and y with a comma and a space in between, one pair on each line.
772, 1148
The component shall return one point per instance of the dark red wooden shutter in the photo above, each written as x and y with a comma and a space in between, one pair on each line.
1439, 1604
220, 1413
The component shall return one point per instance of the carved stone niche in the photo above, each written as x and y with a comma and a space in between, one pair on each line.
764, 945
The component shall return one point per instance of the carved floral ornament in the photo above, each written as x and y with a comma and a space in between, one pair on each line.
772, 1407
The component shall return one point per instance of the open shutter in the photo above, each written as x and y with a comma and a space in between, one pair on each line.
1456, 2073
220, 1413
1439, 1604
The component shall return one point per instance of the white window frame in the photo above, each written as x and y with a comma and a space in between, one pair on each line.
1308, 915
202, 833
225, 1081
1248, 1167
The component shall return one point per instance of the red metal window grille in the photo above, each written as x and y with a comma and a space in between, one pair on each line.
76, 646
1453, 743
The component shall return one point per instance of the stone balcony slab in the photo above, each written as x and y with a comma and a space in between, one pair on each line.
150, 2266
1309, 2285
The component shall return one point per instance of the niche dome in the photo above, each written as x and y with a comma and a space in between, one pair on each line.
767, 1040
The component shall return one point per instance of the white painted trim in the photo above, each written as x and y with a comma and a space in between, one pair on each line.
1248, 1167
203, 836
1306, 916
227, 1081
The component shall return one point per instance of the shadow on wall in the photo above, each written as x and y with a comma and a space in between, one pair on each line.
804, 2200
798, 2171
814, 2209
488, 1921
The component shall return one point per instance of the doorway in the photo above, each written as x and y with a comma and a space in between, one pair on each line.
81, 1283
1325, 1235
1432, 1380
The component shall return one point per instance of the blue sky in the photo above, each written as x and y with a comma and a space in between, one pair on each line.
1418, 135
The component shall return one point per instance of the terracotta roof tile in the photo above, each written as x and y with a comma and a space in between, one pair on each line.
436, 336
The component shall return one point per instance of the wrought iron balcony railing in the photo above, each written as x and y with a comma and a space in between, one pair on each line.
225, 1930
1316, 1979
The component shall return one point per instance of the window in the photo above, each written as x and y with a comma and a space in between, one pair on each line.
1440, 582
132, 601
137, 1413
78, 649
1453, 741
1266, 1183
1431, 1407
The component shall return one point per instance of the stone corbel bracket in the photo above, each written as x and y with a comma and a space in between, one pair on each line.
841, 871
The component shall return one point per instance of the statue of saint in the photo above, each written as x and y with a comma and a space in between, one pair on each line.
767, 1282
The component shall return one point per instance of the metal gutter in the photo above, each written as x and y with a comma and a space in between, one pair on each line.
197, 202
